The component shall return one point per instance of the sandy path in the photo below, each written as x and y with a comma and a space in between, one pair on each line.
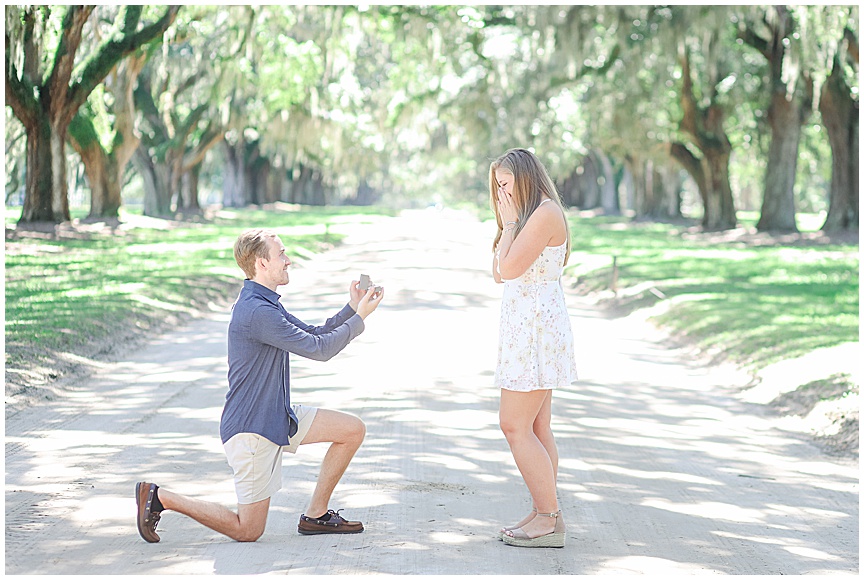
662, 469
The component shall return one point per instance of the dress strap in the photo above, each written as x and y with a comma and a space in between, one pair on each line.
544, 201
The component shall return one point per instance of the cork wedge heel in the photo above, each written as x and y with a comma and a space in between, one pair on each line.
554, 539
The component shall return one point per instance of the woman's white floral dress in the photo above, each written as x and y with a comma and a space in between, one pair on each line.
535, 346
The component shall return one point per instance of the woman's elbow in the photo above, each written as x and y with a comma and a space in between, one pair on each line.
508, 273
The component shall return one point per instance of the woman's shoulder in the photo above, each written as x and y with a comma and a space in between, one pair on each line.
549, 218
548, 211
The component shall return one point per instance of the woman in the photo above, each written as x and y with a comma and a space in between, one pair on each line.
535, 352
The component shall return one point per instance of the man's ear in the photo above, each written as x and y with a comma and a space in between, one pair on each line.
260, 265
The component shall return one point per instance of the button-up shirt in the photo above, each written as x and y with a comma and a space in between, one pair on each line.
261, 333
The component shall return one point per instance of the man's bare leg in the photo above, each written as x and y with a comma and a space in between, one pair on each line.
345, 432
245, 526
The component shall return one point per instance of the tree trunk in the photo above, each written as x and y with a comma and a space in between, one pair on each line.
101, 168
569, 189
46, 199
778, 201
720, 211
711, 172
670, 181
840, 117
652, 199
46, 104
104, 178
656, 190
790, 106
636, 170
274, 182
105, 199
589, 184
233, 185
258, 170
609, 201
190, 189
693, 166
366, 195
628, 185
159, 184
106, 204
317, 193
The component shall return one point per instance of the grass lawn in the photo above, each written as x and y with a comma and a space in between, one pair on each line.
751, 299
84, 289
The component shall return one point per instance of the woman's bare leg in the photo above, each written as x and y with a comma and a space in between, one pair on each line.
517, 416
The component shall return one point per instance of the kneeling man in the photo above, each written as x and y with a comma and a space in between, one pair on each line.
259, 422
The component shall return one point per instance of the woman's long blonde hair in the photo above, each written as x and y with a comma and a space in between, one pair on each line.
530, 182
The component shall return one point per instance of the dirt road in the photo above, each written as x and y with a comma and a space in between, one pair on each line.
663, 470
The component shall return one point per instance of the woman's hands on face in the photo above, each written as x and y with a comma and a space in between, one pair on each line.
506, 207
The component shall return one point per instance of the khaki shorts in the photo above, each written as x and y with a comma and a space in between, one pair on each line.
257, 461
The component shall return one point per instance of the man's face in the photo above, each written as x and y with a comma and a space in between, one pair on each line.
276, 269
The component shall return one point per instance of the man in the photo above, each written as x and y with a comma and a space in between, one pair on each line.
258, 421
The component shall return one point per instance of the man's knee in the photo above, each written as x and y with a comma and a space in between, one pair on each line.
250, 532
250, 536
356, 430
253, 519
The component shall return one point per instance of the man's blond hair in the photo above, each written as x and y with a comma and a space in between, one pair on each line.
251, 245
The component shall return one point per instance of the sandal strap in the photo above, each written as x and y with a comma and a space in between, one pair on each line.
552, 515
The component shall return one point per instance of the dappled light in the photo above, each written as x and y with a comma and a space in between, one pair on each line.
662, 469
706, 157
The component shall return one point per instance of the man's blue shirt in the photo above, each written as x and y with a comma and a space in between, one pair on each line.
261, 333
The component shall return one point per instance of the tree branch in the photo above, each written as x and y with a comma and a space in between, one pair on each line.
144, 102
112, 51
131, 18
189, 82
210, 138
852, 44
32, 51
64, 58
688, 101
689, 162
749, 36
19, 92
191, 122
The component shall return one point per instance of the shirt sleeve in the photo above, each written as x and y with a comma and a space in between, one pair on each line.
271, 326
331, 323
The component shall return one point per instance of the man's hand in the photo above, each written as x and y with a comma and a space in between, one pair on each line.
355, 294
369, 302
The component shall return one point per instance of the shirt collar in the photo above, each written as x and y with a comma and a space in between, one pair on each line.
262, 291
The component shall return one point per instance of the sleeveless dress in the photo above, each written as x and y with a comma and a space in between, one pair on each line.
535, 342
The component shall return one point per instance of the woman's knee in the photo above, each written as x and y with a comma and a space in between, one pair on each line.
512, 429
543, 431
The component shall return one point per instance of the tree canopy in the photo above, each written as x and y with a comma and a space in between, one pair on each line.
636, 108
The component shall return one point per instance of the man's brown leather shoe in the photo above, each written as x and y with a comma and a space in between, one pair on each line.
147, 519
335, 525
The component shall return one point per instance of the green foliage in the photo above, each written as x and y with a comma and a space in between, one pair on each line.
751, 304
392, 94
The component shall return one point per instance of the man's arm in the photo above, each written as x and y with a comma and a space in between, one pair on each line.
337, 320
271, 326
